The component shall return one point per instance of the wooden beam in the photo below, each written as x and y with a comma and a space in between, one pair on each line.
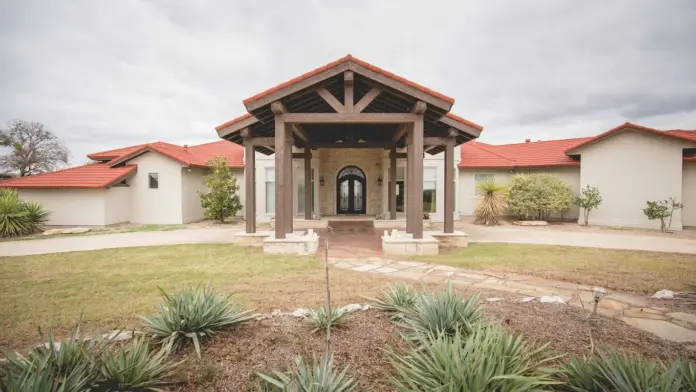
366, 100
280, 142
418, 179
330, 99
349, 118
449, 187
316, 145
409, 197
308, 183
400, 132
277, 107
460, 127
419, 108
392, 183
398, 155
250, 187
245, 123
289, 184
246, 133
300, 132
300, 155
262, 141
348, 99
436, 141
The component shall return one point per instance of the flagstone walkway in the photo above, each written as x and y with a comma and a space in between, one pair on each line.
634, 310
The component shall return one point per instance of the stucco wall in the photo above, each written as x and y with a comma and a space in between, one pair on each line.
156, 206
191, 183
466, 196
629, 169
332, 160
117, 205
689, 193
70, 207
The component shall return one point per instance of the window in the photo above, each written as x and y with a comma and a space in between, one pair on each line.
270, 190
429, 190
299, 173
154, 180
478, 178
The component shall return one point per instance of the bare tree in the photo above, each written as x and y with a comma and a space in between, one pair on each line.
33, 148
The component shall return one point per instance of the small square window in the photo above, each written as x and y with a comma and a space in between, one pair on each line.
154, 180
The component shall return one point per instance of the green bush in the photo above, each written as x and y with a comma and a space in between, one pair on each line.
193, 313
222, 200
18, 218
136, 367
398, 298
537, 196
588, 200
488, 359
319, 318
318, 376
491, 204
662, 210
446, 312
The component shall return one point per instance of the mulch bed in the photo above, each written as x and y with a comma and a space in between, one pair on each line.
231, 360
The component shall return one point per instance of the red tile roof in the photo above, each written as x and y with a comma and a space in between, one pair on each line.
465, 121
233, 121
340, 61
198, 155
677, 134
112, 154
95, 175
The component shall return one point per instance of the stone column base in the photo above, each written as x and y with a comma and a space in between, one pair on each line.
457, 239
402, 243
293, 244
251, 239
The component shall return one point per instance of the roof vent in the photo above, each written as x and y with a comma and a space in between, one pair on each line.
185, 147
527, 140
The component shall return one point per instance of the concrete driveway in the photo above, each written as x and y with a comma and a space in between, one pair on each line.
476, 234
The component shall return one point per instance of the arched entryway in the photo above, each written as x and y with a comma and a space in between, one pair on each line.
351, 191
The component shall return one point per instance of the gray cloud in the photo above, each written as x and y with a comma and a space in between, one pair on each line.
108, 74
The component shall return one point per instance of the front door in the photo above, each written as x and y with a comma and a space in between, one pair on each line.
350, 191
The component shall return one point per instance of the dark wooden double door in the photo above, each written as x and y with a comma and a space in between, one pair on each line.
351, 195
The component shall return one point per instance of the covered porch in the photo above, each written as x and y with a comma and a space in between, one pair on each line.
355, 136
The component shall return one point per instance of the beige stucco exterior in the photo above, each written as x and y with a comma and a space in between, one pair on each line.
630, 168
689, 193
82, 207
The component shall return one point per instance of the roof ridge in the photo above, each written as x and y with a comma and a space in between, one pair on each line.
540, 141
495, 153
60, 170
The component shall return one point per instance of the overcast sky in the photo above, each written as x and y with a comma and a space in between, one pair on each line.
105, 74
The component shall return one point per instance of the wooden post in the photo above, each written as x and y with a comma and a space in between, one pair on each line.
392, 183
290, 185
348, 91
280, 163
449, 186
409, 179
250, 187
308, 183
417, 144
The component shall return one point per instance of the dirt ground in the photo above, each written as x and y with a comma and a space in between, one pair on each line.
231, 361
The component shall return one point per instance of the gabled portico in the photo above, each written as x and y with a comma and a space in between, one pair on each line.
349, 105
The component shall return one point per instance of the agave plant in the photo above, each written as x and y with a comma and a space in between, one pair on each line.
14, 219
491, 204
399, 296
42, 377
37, 215
686, 371
135, 367
487, 359
318, 376
193, 313
610, 370
319, 318
446, 312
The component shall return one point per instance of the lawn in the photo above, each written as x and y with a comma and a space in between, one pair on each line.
113, 286
98, 231
636, 271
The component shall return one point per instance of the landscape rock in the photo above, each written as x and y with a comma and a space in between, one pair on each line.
351, 308
118, 336
525, 299
663, 329
301, 312
664, 294
551, 299
687, 318
495, 299
71, 230
530, 223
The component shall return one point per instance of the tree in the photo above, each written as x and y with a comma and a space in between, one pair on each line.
222, 200
33, 149
662, 210
491, 205
588, 200
536, 196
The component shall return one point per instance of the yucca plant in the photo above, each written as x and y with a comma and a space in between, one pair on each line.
193, 313
42, 377
136, 367
446, 312
14, 219
686, 371
317, 376
487, 359
37, 215
398, 297
610, 370
491, 203
319, 318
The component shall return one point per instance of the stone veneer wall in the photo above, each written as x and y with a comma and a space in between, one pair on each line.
332, 160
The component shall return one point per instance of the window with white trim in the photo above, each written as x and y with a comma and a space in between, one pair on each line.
270, 190
430, 190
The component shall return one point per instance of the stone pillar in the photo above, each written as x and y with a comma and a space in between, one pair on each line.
250, 187
449, 186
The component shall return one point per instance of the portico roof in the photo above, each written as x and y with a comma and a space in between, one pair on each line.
376, 91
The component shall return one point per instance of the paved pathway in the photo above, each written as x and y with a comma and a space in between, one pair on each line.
476, 234
632, 309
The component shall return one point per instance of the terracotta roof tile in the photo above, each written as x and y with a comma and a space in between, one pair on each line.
465, 121
677, 134
198, 155
355, 60
111, 154
233, 121
96, 175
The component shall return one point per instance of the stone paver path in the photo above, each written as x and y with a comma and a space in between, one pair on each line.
632, 309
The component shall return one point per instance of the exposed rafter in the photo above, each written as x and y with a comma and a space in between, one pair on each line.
367, 99
330, 99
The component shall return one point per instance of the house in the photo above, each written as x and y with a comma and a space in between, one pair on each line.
155, 183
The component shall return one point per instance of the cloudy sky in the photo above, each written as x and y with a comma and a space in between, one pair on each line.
105, 74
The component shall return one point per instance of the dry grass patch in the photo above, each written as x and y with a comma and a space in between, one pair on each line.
627, 270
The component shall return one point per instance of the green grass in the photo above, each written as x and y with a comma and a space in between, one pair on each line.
98, 231
628, 270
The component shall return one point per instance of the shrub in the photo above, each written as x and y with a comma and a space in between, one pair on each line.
536, 196
222, 200
488, 359
319, 318
135, 367
491, 204
662, 210
37, 214
318, 376
193, 313
19, 218
588, 200
446, 312
396, 299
